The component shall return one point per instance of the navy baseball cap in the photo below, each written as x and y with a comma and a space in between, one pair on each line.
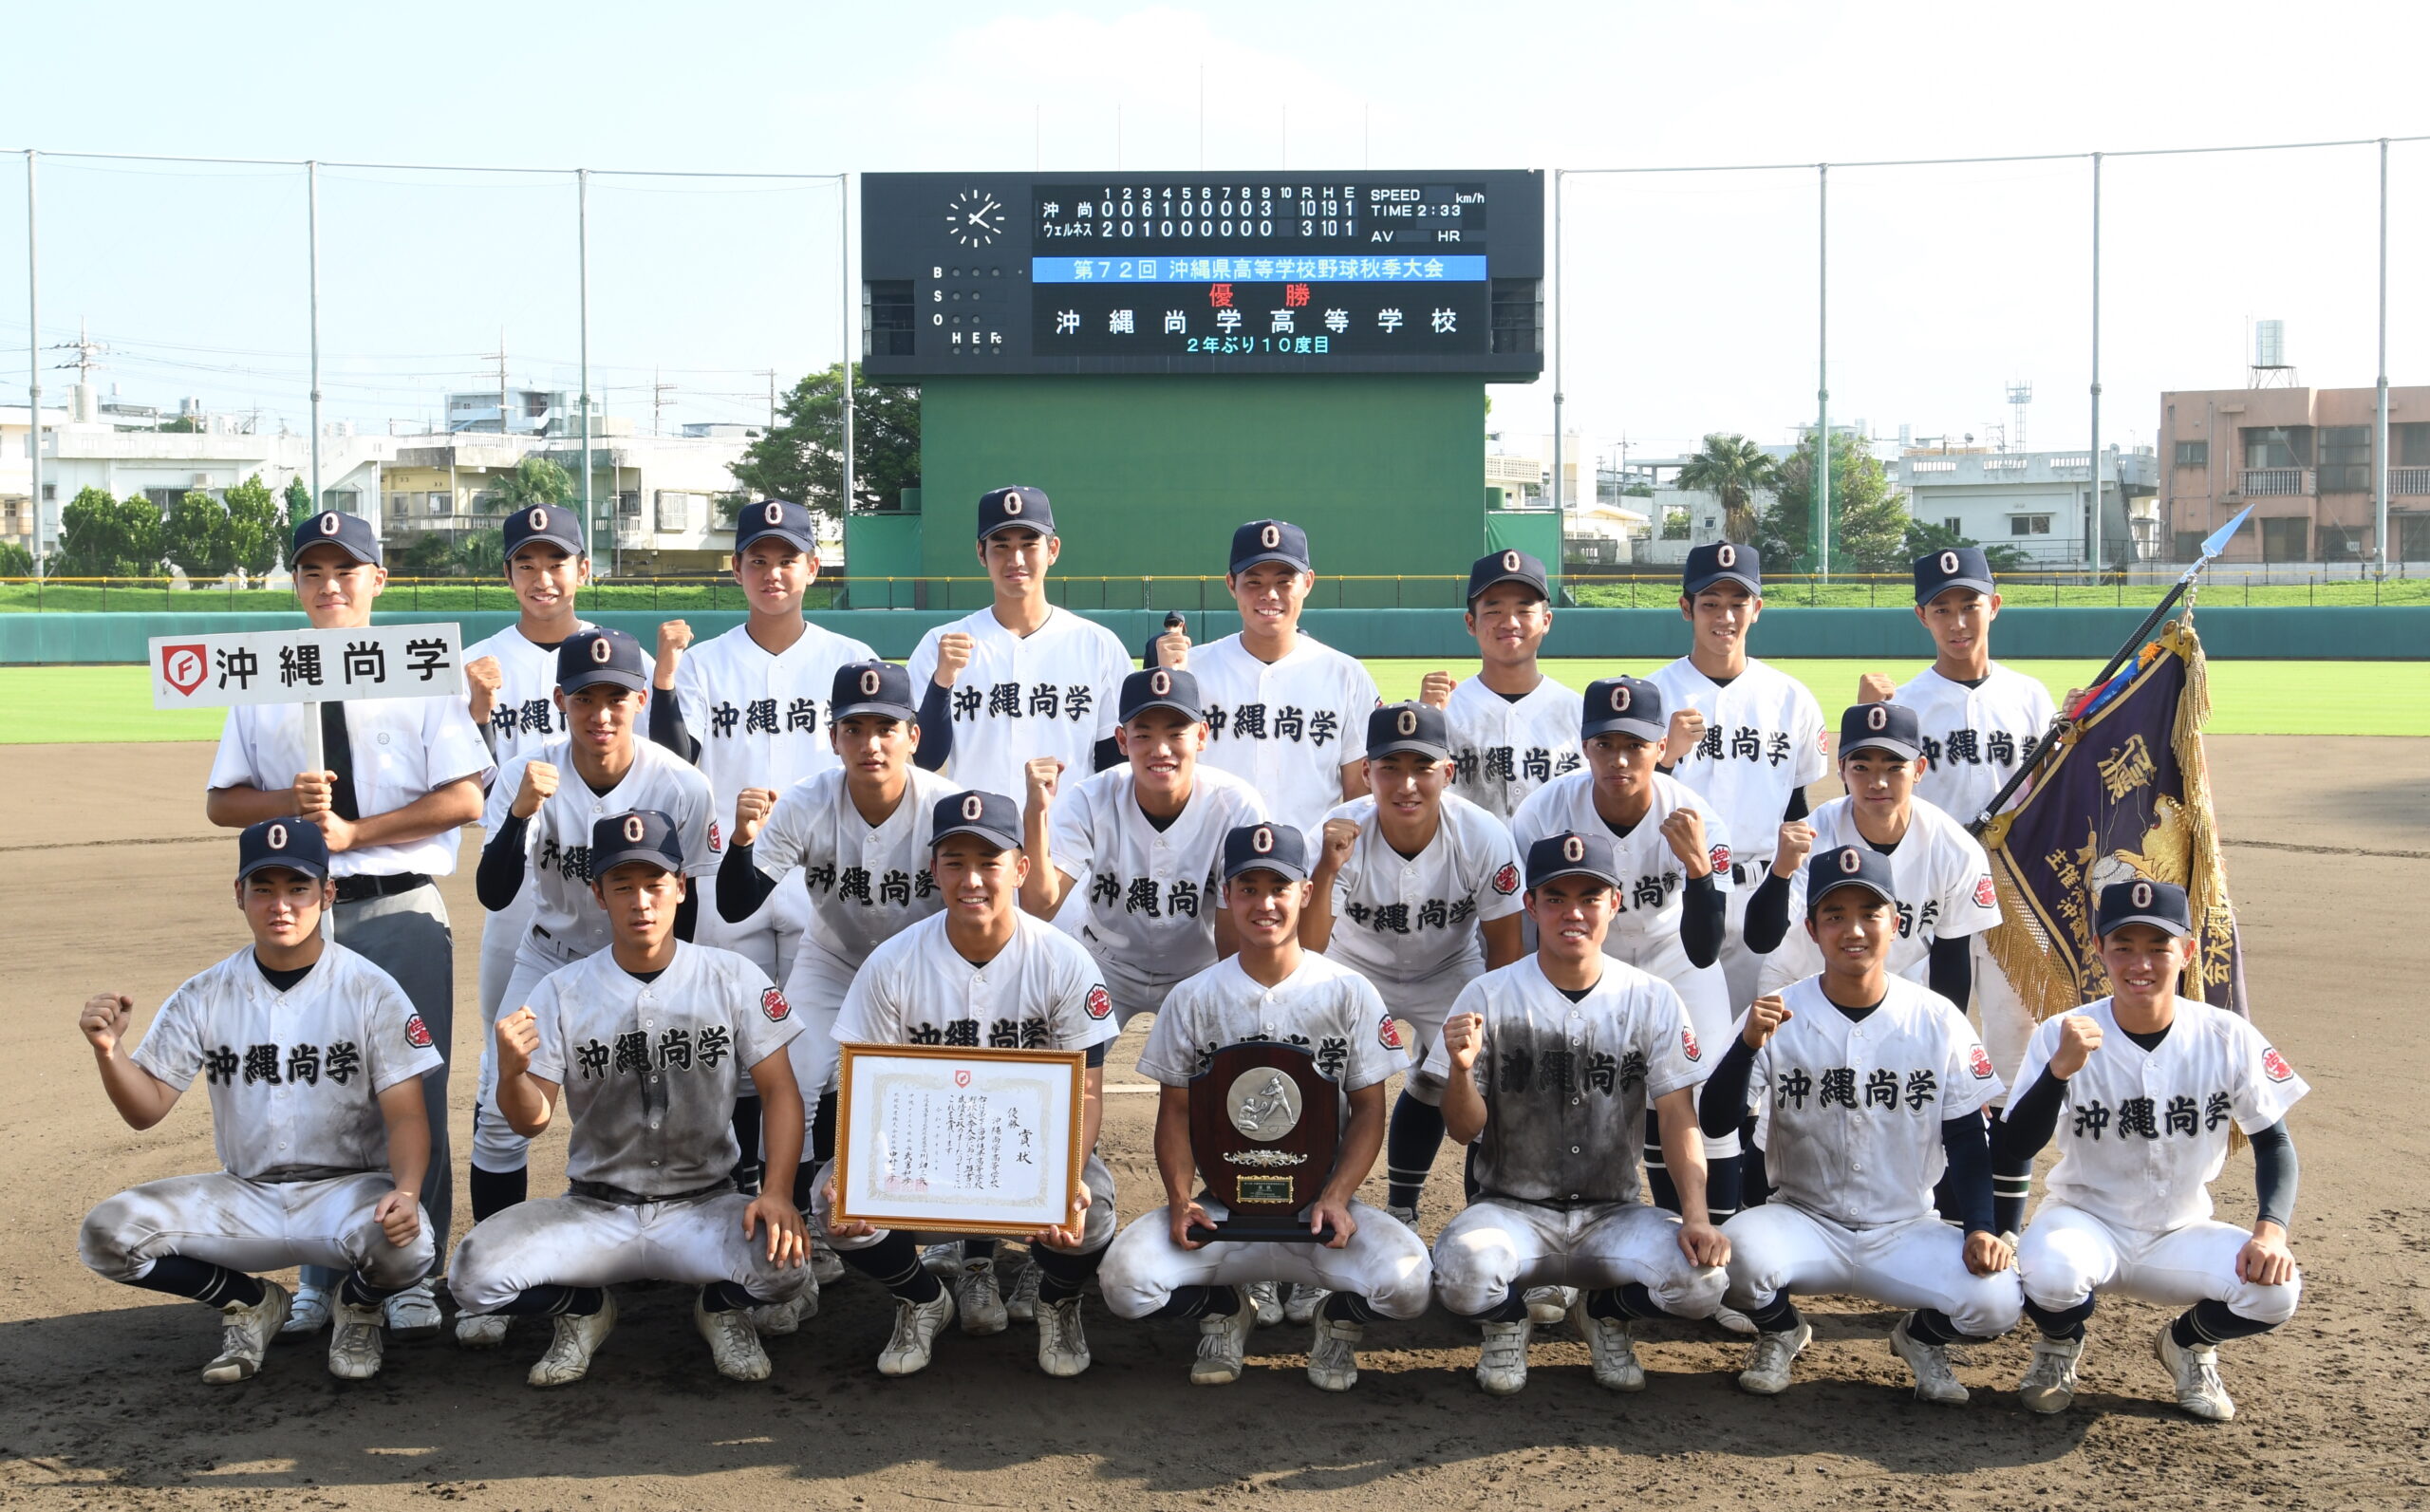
554, 523
782, 518
870, 687
350, 533
2162, 905
1419, 727
1882, 727
1004, 508
1508, 566
1964, 566
1269, 541
1723, 561
1160, 687
991, 816
1848, 866
295, 844
1277, 848
1569, 854
1623, 706
601, 655
646, 835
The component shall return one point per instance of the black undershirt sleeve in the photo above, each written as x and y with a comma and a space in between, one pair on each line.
1951, 971
1096, 1053
500, 875
1767, 914
1106, 755
2274, 1172
936, 728
741, 885
1969, 1144
667, 725
1722, 1106
1797, 808
1702, 919
2031, 1118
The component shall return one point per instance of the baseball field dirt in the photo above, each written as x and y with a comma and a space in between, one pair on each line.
120, 884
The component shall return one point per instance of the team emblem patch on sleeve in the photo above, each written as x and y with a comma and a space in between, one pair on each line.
1506, 881
1688, 1044
716, 838
2273, 1065
1721, 858
773, 1004
1100, 1003
1388, 1034
1978, 1060
417, 1036
1985, 895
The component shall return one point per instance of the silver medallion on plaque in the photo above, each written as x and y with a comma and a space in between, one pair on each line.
1265, 1104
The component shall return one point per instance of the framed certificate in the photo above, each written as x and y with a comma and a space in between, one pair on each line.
941, 1139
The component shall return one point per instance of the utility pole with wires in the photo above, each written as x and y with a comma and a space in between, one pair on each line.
501, 381
658, 393
771, 375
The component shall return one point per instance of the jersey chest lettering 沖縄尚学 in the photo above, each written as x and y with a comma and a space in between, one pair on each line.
866, 883
1503, 750
1287, 727
761, 718
556, 838
1976, 737
1764, 737
1411, 917
1051, 693
1150, 896
1653, 879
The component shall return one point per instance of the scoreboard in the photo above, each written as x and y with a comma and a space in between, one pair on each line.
979, 274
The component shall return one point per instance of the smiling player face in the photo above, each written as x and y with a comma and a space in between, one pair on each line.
1409, 785
1509, 621
1880, 783
545, 577
335, 589
1017, 559
1853, 928
1722, 615
600, 717
1265, 907
1572, 916
774, 575
980, 882
2144, 962
1270, 595
1162, 746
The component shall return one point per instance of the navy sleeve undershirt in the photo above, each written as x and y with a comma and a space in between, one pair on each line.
1951, 970
666, 726
1722, 1106
1767, 914
1704, 910
741, 885
2274, 1173
500, 875
936, 728
1968, 1141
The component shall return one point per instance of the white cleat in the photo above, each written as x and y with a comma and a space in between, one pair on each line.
2196, 1372
2050, 1384
733, 1342
355, 1342
780, 1319
307, 1313
943, 1260
1062, 1344
480, 1331
245, 1334
916, 1327
977, 1298
1333, 1353
1613, 1349
1734, 1321
1768, 1363
1021, 1304
1268, 1297
576, 1338
1935, 1380
412, 1313
1502, 1359
1224, 1344
1301, 1306
826, 1266
1548, 1305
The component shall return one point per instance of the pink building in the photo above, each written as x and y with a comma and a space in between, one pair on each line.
2302, 457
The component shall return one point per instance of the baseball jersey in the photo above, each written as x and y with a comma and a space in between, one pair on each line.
1942, 877
2142, 1133
1503, 750
1416, 917
1851, 1112
867, 883
1764, 736
1566, 1085
1152, 894
1286, 728
1040, 992
557, 839
403, 748
1653, 881
1976, 737
1051, 693
524, 714
294, 1077
759, 718
1331, 1012
650, 1069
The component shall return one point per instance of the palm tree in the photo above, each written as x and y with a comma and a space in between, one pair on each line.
1731, 468
534, 480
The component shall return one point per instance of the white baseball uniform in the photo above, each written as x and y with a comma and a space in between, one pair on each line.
2141, 1136
1150, 896
1051, 693
294, 1079
1942, 878
1286, 728
1338, 1016
1850, 1125
1566, 1085
649, 1071
1504, 749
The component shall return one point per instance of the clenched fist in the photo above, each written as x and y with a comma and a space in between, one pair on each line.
2078, 1036
538, 785
1686, 729
519, 1035
105, 1020
1685, 829
484, 676
953, 654
315, 795
674, 638
1874, 688
1334, 846
752, 807
399, 1216
1764, 1016
1436, 690
1172, 648
1462, 1038
1789, 852
1043, 774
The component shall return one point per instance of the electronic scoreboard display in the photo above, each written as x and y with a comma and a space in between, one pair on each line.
1361, 272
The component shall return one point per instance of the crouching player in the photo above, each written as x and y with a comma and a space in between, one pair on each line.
314, 1060
2153, 1082
648, 1041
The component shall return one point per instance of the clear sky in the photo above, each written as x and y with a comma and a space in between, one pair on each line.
1692, 298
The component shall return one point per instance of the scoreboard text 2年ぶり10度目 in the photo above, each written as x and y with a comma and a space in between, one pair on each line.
1366, 272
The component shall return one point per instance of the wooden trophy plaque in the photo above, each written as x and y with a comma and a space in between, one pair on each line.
1263, 1127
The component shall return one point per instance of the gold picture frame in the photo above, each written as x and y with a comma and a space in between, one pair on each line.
968, 1141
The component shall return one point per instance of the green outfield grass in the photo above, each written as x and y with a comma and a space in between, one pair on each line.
41, 706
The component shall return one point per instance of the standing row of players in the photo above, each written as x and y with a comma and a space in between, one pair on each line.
1412, 887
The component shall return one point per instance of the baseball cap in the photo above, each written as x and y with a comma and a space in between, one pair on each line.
646, 835
1570, 854
782, 518
1723, 561
2162, 905
1159, 687
552, 523
601, 655
295, 844
1418, 727
1847, 867
1269, 541
1882, 727
1963, 567
1277, 848
870, 687
991, 816
1622, 706
1508, 566
1004, 508
350, 533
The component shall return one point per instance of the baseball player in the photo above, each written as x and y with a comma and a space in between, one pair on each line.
1870, 1086
1980, 721
1513, 729
312, 1057
1273, 989
1551, 1066
2141, 1090
1285, 713
397, 780
983, 973
1417, 890
646, 1039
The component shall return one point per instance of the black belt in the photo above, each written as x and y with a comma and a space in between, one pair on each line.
354, 889
290, 1175
602, 1192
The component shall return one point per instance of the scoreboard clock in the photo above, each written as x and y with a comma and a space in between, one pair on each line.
987, 273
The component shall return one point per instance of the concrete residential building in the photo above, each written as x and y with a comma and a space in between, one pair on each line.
164, 466
2038, 501
2303, 459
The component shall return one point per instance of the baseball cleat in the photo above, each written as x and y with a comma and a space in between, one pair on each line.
1502, 1359
978, 1301
308, 1313
1021, 1306
480, 1331
1768, 1363
779, 1319
2050, 1384
1406, 1215
916, 1326
826, 1266
1935, 1380
1301, 1305
1062, 1346
1268, 1297
1548, 1305
733, 1342
941, 1259
1224, 1344
1733, 1321
355, 1342
245, 1334
1613, 1349
1333, 1353
2196, 1372
414, 1312
576, 1338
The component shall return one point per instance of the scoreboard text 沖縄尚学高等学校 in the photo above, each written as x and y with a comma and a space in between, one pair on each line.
980, 273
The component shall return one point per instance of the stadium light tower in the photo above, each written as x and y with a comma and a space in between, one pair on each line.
2020, 395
